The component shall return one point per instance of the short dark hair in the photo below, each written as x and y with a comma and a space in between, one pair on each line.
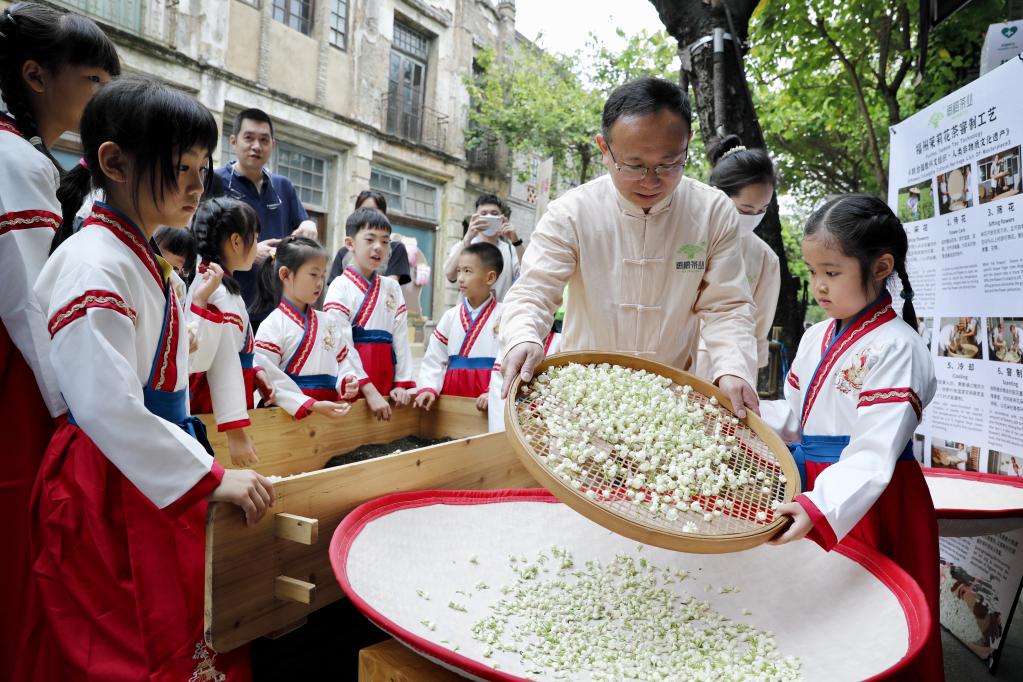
180, 242
643, 97
366, 219
736, 168
490, 199
252, 115
379, 199
488, 254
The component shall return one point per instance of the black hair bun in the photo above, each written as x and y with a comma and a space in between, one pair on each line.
724, 145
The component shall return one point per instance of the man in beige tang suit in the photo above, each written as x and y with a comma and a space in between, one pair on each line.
647, 254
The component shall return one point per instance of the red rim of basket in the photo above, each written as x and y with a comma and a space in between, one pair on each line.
905, 589
992, 479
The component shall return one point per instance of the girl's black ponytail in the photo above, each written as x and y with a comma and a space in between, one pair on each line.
908, 311
214, 223
291, 253
74, 187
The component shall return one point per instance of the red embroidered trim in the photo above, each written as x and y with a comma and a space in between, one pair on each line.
871, 320
129, 236
237, 424
291, 313
343, 353
306, 349
477, 327
249, 342
891, 395
440, 337
27, 220
267, 346
357, 279
401, 309
369, 304
793, 380
167, 377
428, 390
463, 317
304, 410
8, 125
93, 298
404, 384
333, 305
236, 320
210, 312
828, 334
822, 533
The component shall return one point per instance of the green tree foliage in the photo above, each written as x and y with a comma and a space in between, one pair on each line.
550, 104
830, 77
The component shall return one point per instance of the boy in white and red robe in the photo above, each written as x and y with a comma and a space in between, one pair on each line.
373, 307
314, 350
120, 502
460, 357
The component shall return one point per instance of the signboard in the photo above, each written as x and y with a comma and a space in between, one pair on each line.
1002, 43
956, 182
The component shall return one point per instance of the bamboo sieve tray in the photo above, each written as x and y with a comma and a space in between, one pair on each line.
757, 449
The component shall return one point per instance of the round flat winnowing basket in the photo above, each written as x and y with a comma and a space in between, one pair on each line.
969, 504
403, 559
746, 514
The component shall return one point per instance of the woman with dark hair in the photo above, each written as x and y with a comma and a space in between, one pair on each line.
121, 497
747, 176
51, 63
398, 266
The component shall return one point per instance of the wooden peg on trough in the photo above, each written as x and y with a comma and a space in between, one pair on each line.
300, 529
293, 589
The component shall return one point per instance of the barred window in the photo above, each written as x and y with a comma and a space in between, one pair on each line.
405, 195
307, 171
123, 13
296, 14
339, 23
410, 41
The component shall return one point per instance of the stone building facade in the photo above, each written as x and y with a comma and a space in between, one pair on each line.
363, 93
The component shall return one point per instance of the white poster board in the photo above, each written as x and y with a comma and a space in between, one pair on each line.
1002, 43
956, 182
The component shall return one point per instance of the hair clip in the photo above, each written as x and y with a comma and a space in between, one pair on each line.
906, 294
83, 163
733, 150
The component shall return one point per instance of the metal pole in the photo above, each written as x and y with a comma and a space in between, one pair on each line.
719, 82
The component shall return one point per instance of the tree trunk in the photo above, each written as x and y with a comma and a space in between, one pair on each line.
688, 21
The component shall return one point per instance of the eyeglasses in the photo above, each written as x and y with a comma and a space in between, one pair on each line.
634, 172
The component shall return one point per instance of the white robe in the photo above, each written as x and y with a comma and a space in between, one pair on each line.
305, 345
223, 332
639, 283
459, 338
375, 305
29, 216
104, 295
763, 273
872, 386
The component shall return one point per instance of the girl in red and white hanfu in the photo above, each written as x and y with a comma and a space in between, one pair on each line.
373, 309
223, 374
120, 504
853, 399
460, 356
311, 347
50, 65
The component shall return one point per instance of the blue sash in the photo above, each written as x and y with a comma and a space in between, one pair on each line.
462, 362
246, 359
827, 450
317, 381
171, 406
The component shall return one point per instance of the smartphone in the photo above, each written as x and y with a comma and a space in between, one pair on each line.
493, 224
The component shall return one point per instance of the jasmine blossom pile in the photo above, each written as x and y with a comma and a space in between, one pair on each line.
625, 436
627, 620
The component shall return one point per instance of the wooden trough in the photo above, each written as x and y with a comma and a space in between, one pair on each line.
266, 579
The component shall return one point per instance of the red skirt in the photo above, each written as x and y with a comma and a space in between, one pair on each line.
469, 383
200, 400
120, 580
378, 361
902, 526
22, 639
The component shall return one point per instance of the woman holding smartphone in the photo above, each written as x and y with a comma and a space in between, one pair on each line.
489, 224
